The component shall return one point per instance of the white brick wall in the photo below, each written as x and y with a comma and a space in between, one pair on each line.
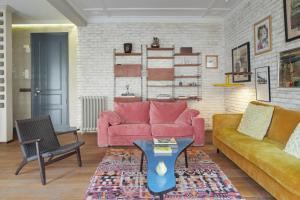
238, 30
95, 57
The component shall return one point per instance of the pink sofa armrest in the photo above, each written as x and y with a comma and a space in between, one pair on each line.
102, 135
199, 129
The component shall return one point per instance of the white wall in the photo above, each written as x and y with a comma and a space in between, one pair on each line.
95, 57
238, 30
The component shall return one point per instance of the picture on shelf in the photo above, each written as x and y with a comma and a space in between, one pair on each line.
289, 69
241, 63
292, 19
211, 61
263, 36
262, 84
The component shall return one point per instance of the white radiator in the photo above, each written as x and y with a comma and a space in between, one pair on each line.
91, 106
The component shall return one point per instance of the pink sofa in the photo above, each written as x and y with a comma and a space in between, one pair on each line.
145, 120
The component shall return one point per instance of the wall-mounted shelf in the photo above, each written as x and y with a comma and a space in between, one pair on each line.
228, 83
187, 76
160, 74
127, 70
160, 49
122, 99
127, 54
160, 57
187, 65
186, 54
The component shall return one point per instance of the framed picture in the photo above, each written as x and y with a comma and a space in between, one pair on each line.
263, 36
289, 69
241, 63
291, 19
211, 61
262, 84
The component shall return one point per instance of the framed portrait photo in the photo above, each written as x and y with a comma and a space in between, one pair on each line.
262, 84
263, 36
241, 63
211, 61
291, 19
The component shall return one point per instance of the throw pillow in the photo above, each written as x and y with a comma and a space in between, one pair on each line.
185, 118
293, 145
256, 121
111, 117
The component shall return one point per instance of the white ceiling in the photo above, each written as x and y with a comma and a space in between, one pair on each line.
153, 8
97, 10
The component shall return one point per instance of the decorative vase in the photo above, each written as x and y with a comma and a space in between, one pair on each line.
161, 168
155, 43
127, 47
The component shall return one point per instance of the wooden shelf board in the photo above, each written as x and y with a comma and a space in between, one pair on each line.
187, 76
160, 85
160, 49
238, 73
186, 85
189, 98
187, 65
127, 99
165, 100
128, 70
187, 54
160, 57
160, 74
128, 54
228, 85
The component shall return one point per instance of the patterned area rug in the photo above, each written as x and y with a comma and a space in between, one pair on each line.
118, 178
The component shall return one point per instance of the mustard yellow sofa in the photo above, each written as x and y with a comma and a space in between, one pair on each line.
264, 161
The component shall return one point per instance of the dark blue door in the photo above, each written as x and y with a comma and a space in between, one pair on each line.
50, 76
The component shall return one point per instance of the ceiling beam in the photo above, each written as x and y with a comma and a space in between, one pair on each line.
68, 11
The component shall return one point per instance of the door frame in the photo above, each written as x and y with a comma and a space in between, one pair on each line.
67, 70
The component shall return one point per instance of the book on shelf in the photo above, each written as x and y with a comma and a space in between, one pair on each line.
164, 141
162, 150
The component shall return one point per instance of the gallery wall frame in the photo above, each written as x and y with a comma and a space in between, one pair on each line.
212, 61
241, 63
263, 35
291, 20
262, 84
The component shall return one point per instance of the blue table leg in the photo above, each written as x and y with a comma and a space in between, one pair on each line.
142, 161
186, 161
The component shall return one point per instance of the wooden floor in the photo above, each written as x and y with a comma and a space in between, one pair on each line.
67, 181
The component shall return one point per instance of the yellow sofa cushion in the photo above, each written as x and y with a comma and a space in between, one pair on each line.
256, 121
267, 155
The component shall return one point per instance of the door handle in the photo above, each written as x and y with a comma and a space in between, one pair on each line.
37, 92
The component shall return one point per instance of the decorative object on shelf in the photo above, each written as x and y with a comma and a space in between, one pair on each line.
289, 69
186, 50
241, 63
262, 84
161, 168
127, 92
211, 61
127, 47
263, 36
291, 19
155, 43
180, 83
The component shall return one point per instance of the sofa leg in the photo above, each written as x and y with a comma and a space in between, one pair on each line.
218, 150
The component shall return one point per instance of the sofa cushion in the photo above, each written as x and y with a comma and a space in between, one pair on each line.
174, 130
133, 112
266, 155
130, 130
293, 145
256, 121
165, 112
186, 117
111, 117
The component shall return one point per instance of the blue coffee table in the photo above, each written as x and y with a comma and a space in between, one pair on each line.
159, 185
